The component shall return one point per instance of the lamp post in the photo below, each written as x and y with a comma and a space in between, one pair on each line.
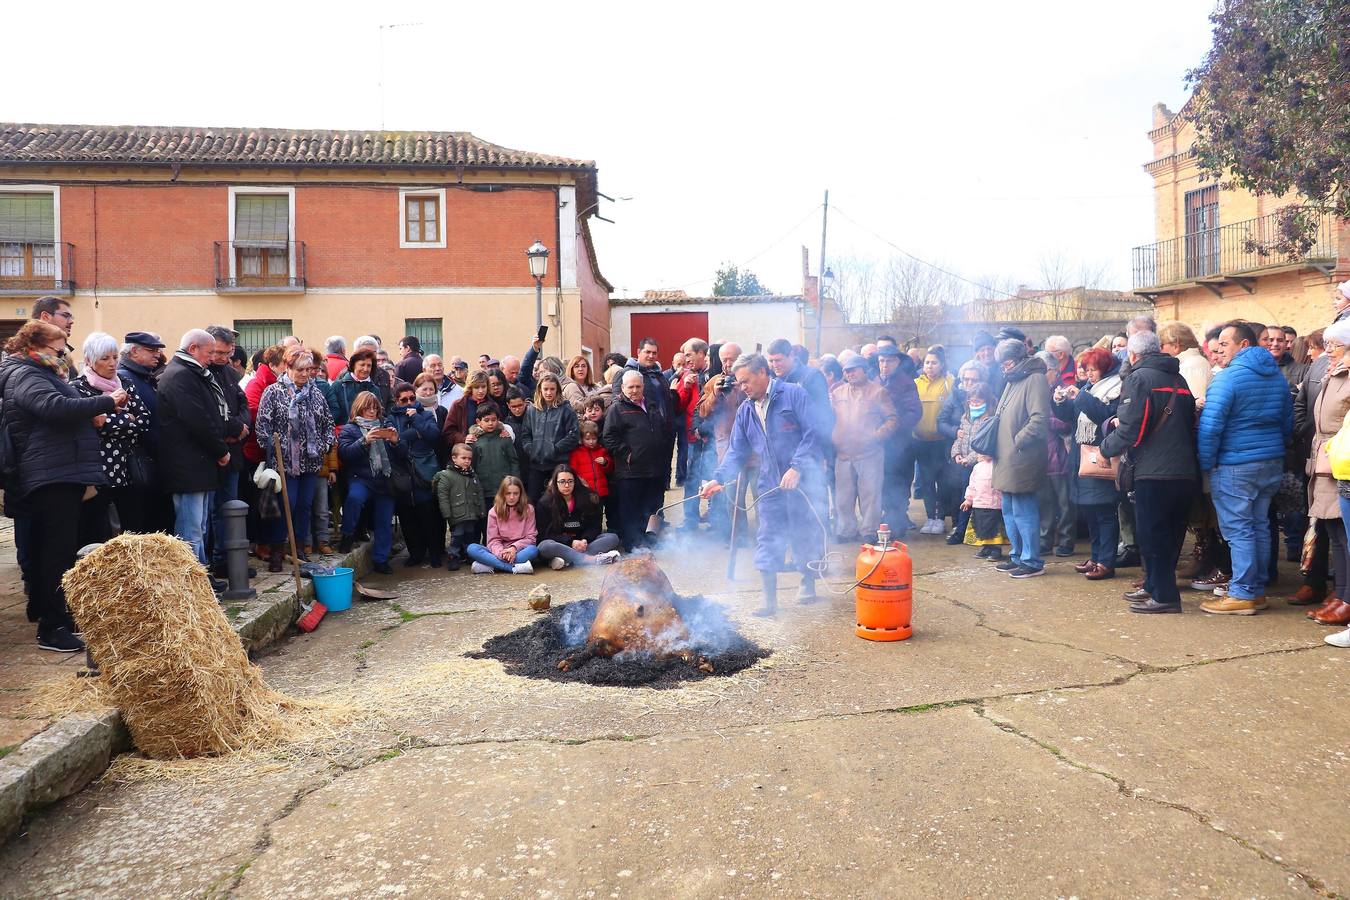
538, 255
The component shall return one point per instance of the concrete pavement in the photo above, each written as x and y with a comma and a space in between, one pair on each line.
1033, 739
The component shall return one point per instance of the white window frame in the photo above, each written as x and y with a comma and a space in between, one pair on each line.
403, 195
55, 191
289, 191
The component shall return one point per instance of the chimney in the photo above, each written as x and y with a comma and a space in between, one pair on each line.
1161, 115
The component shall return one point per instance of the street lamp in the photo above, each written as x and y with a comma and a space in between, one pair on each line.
824, 289
538, 255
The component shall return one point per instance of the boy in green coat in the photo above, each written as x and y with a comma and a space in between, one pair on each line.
460, 496
494, 454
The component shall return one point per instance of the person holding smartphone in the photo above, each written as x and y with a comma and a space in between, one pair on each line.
369, 448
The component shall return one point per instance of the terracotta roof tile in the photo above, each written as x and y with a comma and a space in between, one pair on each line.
142, 144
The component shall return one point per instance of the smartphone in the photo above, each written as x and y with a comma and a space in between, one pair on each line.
543, 333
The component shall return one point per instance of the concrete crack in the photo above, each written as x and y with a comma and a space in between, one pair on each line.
1313, 883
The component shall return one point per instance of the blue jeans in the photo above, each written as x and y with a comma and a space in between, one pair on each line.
1022, 521
228, 490
359, 493
1242, 495
480, 554
191, 518
1103, 531
300, 492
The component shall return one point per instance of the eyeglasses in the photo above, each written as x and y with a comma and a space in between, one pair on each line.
566, 481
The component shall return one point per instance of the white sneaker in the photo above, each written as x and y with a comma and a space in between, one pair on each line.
609, 556
932, 526
479, 569
557, 563
523, 569
1339, 639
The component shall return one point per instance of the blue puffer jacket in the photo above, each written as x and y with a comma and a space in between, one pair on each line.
1248, 415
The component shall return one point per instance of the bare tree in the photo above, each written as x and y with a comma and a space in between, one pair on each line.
856, 288
920, 296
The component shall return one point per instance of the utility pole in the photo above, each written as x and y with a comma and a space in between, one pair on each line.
820, 274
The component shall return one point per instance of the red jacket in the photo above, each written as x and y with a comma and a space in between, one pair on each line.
687, 397
595, 474
336, 364
261, 381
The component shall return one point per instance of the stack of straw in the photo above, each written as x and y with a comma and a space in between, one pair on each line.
170, 660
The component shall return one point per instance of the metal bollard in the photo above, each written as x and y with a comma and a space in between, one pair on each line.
234, 513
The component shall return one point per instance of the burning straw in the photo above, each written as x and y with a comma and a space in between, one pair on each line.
170, 660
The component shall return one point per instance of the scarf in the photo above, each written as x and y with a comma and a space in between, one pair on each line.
1105, 390
306, 446
204, 373
429, 402
106, 385
379, 456
57, 364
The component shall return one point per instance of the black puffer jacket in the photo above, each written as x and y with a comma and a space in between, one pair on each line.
634, 437
581, 523
550, 435
1162, 446
191, 429
51, 426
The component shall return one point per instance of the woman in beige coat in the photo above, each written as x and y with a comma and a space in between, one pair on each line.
1324, 492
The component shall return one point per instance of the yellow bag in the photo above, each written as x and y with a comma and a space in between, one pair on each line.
1337, 450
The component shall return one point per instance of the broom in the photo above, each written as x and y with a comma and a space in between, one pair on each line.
314, 612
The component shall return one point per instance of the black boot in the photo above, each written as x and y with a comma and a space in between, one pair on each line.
770, 607
806, 593
347, 543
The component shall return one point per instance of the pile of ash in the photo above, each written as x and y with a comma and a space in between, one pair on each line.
535, 650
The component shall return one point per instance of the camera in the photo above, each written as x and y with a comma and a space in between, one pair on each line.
727, 384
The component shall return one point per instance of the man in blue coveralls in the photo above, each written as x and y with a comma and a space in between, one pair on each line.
777, 425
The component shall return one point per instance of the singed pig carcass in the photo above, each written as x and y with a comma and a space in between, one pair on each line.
636, 613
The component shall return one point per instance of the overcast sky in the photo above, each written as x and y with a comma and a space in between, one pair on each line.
986, 136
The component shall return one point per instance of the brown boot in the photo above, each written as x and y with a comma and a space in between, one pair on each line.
1337, 615
276, 558
1327, 605
1308, 596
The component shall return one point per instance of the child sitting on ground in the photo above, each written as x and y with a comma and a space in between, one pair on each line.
592, 463
511, 533
986, 504
494, 450
460, 497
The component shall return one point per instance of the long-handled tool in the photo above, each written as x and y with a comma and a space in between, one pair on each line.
314, 612
735, 514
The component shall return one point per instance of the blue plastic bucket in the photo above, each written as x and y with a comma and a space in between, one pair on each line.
334, 591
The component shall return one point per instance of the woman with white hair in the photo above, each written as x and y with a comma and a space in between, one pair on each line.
121, 436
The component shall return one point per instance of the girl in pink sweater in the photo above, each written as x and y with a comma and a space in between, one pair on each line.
511, 533
986, 504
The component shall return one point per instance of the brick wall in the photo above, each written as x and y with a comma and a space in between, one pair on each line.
161, 236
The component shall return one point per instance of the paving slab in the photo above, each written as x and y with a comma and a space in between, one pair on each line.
940, 804
1258, 747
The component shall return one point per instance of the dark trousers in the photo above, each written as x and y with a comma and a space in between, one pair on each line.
1339, 556
134, 508
1160, 511
636, 499
23, 552
95, 521
55, 541
681, 455
462, 535
423, 527
536, 482
895, 484
1103, 531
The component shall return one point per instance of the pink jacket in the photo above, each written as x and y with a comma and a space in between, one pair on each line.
980, 491
516, 531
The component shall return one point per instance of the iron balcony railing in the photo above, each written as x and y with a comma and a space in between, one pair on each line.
1229, 250
263, 267
36, 267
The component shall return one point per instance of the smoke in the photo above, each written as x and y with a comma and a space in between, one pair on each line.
575, 623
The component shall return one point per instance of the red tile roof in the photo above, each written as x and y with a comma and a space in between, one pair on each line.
145, 144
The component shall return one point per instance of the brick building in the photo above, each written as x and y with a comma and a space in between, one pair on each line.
311, 233
1215, 257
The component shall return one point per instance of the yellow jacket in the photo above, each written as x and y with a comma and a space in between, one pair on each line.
931, 394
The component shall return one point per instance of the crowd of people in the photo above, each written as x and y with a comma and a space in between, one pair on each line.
517, 462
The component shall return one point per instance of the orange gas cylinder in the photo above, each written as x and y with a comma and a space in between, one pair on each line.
885, 594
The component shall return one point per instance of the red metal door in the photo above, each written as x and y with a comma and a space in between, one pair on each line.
669, 329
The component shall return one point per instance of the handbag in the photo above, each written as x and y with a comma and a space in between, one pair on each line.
142, 469
984, 440
400, 482
1125, 471
1337, 451
1091, 463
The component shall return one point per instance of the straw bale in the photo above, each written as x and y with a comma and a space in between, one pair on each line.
170, 660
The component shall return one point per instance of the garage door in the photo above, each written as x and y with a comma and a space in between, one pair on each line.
670, 329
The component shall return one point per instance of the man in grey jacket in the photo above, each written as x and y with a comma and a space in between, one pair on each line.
1023, 422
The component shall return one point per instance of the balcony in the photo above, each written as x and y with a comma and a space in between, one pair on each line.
1229, 254
33, 268
260, 267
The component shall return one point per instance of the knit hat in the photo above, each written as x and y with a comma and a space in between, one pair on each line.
984, 339
1008, 331
850, 360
